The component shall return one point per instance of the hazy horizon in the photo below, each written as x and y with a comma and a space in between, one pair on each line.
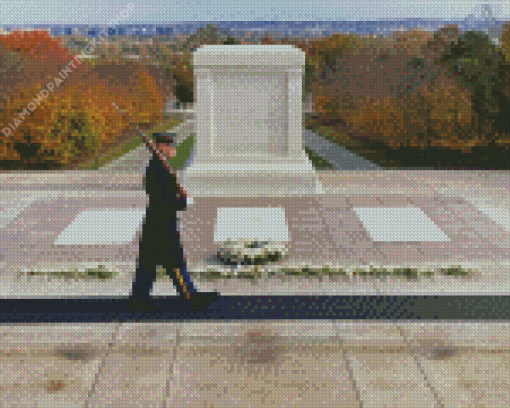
100, 12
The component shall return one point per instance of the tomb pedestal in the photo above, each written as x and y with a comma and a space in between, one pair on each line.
248, 123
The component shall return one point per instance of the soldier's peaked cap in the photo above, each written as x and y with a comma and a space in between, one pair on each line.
165, 137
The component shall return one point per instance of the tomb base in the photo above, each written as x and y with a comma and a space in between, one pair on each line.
245, 180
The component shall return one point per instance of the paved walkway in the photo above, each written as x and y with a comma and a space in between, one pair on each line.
462, 218
249, 364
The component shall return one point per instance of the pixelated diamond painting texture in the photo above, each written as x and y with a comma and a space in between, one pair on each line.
320, 150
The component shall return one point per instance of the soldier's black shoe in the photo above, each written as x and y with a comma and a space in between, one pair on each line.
138, 305
202, 299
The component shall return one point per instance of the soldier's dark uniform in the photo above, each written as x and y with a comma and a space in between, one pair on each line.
160, 241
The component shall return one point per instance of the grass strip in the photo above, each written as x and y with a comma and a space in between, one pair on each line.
326, 271
318, 162
101, 273
103, 159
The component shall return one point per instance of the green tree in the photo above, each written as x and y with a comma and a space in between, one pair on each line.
28, 147
503, 92
473, 60
505, 41
230, 41
203, 36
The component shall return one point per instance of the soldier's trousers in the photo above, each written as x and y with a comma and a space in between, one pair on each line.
146, 273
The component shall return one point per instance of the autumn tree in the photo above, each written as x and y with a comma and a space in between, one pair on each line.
77, 120
439, 113
441, 39
322, 53
38, 44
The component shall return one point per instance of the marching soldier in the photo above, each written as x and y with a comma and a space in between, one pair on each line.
160, 242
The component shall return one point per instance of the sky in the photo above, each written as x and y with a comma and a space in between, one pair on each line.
110, 12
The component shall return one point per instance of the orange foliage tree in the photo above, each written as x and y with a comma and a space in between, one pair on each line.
38, 44
320, 53
412, 41
79, 116
11, 105
78, 119
441, 114
329, 48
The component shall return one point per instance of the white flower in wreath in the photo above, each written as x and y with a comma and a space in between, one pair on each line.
251, 252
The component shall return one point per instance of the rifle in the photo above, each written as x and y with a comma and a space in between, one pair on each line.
158, 154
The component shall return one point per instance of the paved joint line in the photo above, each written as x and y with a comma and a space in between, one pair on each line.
416, 358
350, 372
102, 365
